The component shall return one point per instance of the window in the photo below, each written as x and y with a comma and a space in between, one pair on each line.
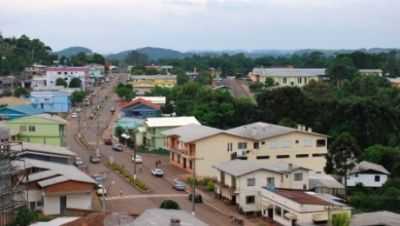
299, 80
302, 156
307, 143
242, 145
250, 199
262, 157
270, 182
22, 128
297, 142
298, 176
377, 178
321, 143
251, 182
229, 147
282, 156
32, 128
285, 212
256, 145
284, 80
278, 211
319, 155
262, 142
179, 159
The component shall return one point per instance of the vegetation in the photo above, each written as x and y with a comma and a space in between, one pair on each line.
20, 91
77, 97
125, 91
136, 58
25, 217
75, 83
170, 205
120, 169
61, 82
341, 219
82, 59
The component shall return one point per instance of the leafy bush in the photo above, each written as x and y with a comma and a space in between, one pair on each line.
20, 91
25, 217
120, 169
170, 205
210, 186
341, 219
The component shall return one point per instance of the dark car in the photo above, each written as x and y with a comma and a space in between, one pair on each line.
198, 198
108, 141
95, 159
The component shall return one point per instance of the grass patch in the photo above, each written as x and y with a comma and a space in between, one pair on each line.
120, 169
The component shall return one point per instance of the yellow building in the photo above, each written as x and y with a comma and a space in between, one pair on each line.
298, 77
144, 83
256, 141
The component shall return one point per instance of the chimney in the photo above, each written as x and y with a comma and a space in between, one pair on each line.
309, 129
175, 222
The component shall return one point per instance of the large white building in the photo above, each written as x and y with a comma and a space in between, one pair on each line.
68, 73
298, 77
367, 174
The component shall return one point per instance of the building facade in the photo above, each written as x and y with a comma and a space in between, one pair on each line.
51, 101
144, 83
67, 73
140, 108
367, 174
40, 129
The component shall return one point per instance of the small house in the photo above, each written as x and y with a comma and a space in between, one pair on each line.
367, 174
140, 108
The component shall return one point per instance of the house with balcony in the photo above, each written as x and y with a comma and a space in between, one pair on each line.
367, 174
290, 207
256, 141
55, 188
154, 139
296, 77
39, 129
239, 181
51, 101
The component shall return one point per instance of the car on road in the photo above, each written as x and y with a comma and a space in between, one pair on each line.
107, 141
179, 185
117, 147
198, 198
139, 159
95, 159
74, 115
101, 190
157, 172
99, 178
78, 162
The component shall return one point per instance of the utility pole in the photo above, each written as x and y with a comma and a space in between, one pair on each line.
194, 159
97, 124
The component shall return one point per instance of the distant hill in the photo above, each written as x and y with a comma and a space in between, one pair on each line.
71, 51
151, 52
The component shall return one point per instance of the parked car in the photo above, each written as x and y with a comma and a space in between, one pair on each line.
78, 162
117, 147
101, 190
157, 172
99, 178
95, 159
108, 141
198, 198
179, 185
112, 110
139, 159
74, 115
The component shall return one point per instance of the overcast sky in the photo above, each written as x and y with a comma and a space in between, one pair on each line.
114, 25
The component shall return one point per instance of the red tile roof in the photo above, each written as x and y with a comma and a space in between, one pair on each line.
301, 197
141, 101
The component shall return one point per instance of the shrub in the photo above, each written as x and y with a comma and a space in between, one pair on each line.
341, 219
120, 169
170, 205
25, 217
210, 186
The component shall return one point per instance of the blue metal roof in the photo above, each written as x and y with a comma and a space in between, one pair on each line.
26, 109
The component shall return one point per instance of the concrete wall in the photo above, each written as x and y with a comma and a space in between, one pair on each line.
367, 180
79, 201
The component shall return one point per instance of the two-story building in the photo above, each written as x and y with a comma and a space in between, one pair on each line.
257, 141
140, 108
144, 83
239, 181
154, 139
298, 77
367, 174
67, 73
51, 101
40, 129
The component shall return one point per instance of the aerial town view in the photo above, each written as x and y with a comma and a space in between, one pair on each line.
200, 113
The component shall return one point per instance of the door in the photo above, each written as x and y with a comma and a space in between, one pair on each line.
271, 213
184, 163
63, 204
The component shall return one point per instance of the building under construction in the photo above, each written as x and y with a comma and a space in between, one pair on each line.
10, 191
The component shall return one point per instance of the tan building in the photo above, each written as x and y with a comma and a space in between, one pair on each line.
144, 83
298, 77
256, 141
239, 181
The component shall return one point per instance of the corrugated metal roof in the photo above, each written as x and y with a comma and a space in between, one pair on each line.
26, 109
369, 166
289, 72
162, 217
52, 149
192, 132
317, 180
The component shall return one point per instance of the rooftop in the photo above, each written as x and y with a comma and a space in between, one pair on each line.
24, 108
192, 132
13, 101
154, 100
62, 69
366, 166
243, 167
302, 197
160, 77
290, 72
45, 148
141, 101
317, 180
382, 218
162, 217
171, 121
59, 221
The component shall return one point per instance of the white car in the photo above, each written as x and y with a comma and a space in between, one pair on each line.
74, 115
157, 172
139, 159
101, 190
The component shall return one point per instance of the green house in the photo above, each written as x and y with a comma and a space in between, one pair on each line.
39, 129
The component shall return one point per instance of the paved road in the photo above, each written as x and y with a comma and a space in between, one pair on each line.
237, 87
122, 196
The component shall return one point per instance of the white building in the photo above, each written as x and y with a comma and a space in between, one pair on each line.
296, 207
239, 180
154, 100
371, 72
68, 73
287, 76
368, 174
54, 188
